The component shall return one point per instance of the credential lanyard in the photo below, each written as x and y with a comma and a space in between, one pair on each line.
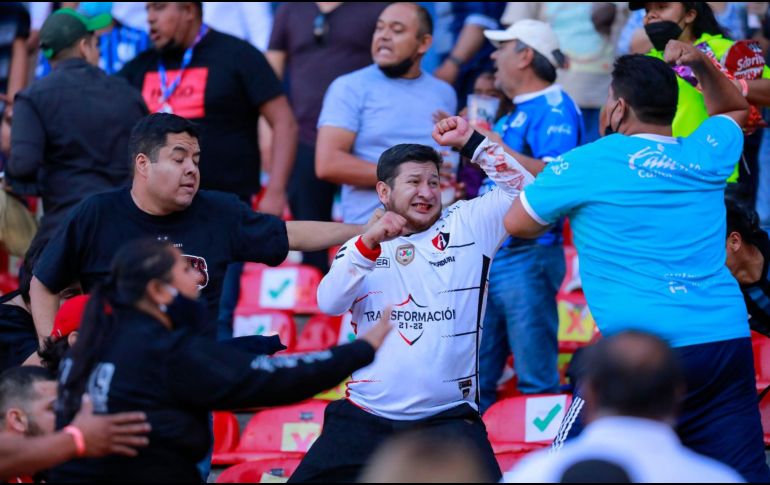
167, 90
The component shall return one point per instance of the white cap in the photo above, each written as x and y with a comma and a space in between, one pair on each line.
536, 34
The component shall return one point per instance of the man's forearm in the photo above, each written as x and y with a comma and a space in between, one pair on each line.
284, 151
44, 307
315, 236
20, 455
343, 168
759, 92
719, 92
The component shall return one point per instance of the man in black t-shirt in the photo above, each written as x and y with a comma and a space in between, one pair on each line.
211, 228
224, 84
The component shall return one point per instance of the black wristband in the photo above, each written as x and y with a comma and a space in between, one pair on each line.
470, 148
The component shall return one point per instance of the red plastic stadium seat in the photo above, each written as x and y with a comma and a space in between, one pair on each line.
226, 434
764, 410
286, 431
522, 424
320, 332
289, 287
264, 471
761, 347
251, 320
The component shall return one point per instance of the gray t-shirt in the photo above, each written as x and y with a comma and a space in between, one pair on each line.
382, 112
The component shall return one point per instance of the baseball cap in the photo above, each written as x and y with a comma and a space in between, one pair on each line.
536, 34
68, 317
66, 26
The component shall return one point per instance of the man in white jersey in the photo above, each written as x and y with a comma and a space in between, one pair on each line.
432, 268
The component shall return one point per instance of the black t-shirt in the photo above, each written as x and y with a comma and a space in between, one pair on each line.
222, 90
176, 378
14, 24
215, 230
314, 61
18, 338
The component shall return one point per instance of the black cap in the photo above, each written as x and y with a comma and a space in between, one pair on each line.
65, 27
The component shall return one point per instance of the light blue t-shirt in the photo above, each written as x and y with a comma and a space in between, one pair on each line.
648, 217
382, 112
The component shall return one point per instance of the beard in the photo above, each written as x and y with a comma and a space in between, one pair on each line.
397, 70
33, 429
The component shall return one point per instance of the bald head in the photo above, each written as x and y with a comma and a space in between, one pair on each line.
633, 374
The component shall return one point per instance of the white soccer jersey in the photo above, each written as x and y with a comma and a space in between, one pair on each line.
436, 282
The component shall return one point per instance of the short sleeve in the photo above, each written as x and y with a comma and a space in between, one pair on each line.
60, 262
259, 238
279, 36
721, 138
258, 78
559, 188
342, 105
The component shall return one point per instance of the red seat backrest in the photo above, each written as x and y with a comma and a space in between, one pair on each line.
289, 287
251, 320
321, 332
526, 419
260, 471
284, 429
226, 434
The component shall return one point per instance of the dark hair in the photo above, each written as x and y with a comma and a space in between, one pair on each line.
705, 22
52, 352
393, 157
540, 64
744, 220
135, 264
16, 385
648, 85
595, 471
150, 134
634, 374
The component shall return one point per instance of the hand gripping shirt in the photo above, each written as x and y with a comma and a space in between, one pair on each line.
436, 282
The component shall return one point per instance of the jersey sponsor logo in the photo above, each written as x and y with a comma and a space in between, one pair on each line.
199, 264
563, 129
382, 263
465, 387
441, 241
519, 120
405, 254
443, 262
411, 318
188, 98
650, 163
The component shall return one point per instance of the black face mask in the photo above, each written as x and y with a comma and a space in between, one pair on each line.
662, 32
398, 70
186, 312
608, 129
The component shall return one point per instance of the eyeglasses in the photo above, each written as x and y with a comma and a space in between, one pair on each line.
320, 28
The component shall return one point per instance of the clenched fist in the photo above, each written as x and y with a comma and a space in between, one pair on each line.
683, 54
387, 227
452, 132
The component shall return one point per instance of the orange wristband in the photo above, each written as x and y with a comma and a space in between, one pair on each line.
77, 436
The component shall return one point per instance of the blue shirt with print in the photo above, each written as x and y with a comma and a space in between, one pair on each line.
543, 125
648, 218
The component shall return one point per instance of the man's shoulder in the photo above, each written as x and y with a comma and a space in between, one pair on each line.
368, 74
214, 201
441, 87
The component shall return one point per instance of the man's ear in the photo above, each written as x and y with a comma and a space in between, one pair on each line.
734, 242
383, 192
425, 43
16, 420
142, 165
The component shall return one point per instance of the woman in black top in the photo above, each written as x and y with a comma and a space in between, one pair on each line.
139, 349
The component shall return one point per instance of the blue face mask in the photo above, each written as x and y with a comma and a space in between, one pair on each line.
92, 9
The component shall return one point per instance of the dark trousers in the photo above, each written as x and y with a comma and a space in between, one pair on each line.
719, 417
350, 436
310, 199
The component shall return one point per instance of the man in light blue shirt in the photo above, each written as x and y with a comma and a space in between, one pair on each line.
648, 219
390, 102
526, 274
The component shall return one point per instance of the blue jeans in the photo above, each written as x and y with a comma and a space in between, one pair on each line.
763, 191
522, 318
